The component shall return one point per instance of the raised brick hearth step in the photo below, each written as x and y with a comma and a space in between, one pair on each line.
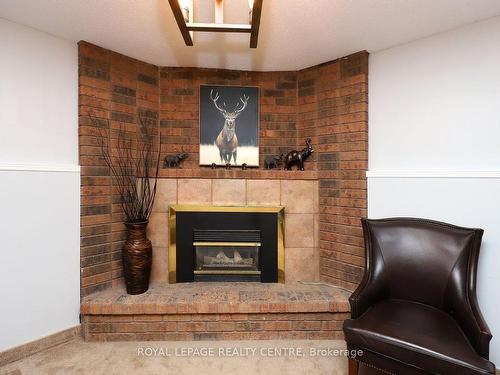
216, 311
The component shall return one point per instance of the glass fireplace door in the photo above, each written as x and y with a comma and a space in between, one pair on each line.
227, 258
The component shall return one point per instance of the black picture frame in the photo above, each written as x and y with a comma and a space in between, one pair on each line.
227, 114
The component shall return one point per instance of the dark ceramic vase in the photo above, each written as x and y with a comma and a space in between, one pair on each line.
137, 257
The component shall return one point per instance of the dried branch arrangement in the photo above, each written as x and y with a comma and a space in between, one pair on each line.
131, 164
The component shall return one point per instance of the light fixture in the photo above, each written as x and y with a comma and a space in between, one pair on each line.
185, 9
183, 13
250, 12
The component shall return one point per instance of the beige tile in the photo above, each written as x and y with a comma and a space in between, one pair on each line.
166, 194
316, 264
299, 230
300, 264
159, 270
316, 196
158, 229
316, 230
229, 192
194, 191
263, 192
297, 196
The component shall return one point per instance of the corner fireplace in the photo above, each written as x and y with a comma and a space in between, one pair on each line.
213, 243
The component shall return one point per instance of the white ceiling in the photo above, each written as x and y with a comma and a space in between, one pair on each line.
294, 33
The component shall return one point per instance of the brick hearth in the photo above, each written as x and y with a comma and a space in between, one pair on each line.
216, 311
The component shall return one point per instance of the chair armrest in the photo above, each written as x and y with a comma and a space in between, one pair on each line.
366, 295
470, 319
463, 305
371, 288
484, 334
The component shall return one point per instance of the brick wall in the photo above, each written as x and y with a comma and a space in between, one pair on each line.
116, 88
327, 103
179, 108
333, 111
195, 327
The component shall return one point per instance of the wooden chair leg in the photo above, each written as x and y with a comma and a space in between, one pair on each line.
353, 367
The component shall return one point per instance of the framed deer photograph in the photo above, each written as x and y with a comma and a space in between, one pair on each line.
229, 125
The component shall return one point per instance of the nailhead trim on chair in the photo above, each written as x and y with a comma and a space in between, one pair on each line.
375, 367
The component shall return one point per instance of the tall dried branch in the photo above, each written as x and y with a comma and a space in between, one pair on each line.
132, 167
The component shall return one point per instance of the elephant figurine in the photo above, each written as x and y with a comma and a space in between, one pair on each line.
298, 157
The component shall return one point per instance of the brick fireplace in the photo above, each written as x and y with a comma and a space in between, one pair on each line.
323, 204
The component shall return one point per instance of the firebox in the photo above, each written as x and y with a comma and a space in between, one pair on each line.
226, 255
213, 243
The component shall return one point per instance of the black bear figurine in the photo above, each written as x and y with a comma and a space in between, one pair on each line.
298, 157
174, 161
271, 162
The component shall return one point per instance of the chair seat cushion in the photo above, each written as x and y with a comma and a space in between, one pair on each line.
417, 335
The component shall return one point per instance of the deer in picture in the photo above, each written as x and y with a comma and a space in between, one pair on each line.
227, 141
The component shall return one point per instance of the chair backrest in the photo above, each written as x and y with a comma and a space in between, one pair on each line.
422, 260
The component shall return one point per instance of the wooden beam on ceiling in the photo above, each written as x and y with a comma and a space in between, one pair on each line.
256, 12
219, 27
187, 28
176, 9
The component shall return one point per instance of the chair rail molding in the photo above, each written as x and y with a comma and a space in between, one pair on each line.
68, 168
379, 173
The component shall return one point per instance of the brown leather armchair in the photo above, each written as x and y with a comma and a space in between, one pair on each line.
415, 311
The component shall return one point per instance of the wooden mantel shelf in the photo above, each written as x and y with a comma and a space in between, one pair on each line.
238, 174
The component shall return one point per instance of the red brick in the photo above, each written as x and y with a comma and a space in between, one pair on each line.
327, 103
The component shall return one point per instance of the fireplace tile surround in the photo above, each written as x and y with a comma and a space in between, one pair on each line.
301, 217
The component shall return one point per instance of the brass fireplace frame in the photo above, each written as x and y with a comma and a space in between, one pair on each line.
172, 220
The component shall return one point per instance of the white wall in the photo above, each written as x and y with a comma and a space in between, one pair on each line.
435, 103
434, 141
38, 94
39, 185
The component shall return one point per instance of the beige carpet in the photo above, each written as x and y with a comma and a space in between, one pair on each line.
186, 358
